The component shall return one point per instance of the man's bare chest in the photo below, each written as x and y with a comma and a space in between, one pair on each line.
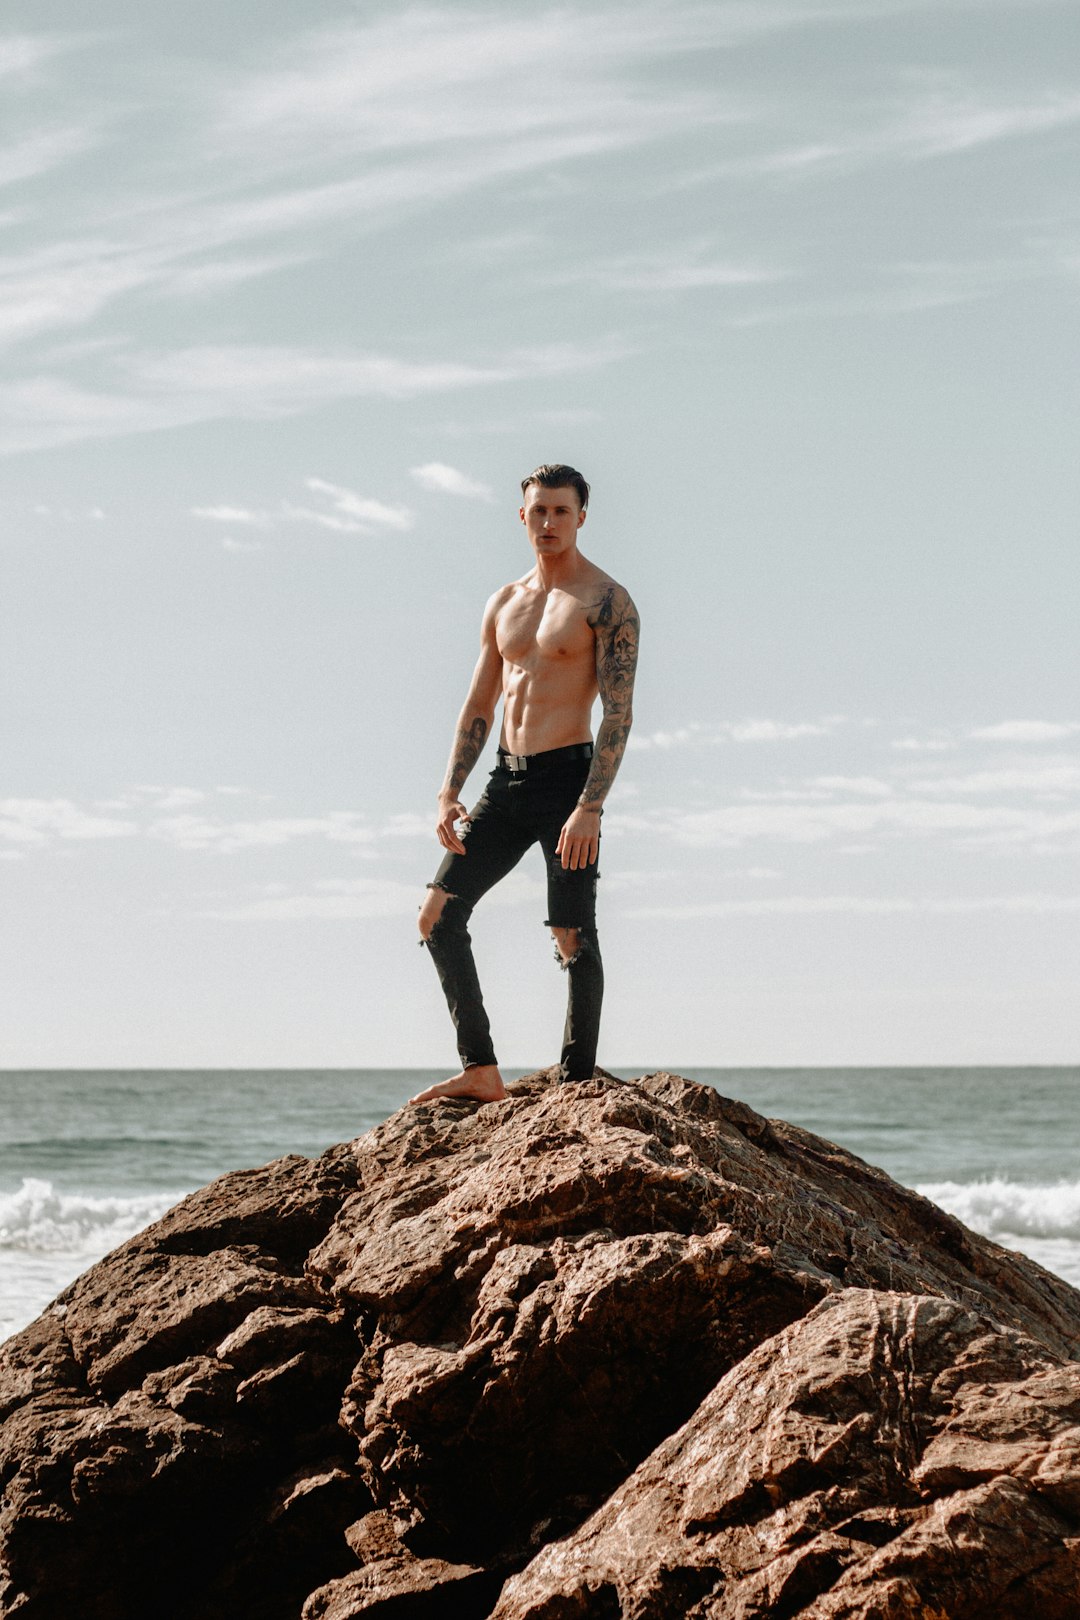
532, 628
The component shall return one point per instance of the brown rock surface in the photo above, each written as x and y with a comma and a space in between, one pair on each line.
599, 1350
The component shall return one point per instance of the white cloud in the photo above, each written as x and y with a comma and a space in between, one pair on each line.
267, 380
955, 120
446, 76
697, 733
872, 786
232, 514
323, 520
353, 899
204, 832
806, 820
331, 901
1021, 731
931, 115
200, 280
867, 906
22, 54
63, 285
69, 514
443, 480
939, 744
642, 741
362, 507
178, 798
687, 270
346, 513
795, 160
206, 383
408, 824
23, 159
38, 821
1053, 779
777, 730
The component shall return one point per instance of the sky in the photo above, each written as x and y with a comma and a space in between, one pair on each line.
292, 297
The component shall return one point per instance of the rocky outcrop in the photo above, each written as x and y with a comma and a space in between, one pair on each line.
599, 1350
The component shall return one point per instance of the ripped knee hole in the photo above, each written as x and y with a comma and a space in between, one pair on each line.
433, 910
569, 945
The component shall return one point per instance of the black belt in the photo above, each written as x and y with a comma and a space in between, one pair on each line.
517, 763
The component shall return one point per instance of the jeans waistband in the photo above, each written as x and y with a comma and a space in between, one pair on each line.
516, 764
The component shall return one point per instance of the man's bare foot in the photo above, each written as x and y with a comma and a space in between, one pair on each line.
482, 1082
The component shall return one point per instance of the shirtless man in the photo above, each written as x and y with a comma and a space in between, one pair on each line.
550, 644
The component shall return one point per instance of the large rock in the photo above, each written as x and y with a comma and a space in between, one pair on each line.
599, 1350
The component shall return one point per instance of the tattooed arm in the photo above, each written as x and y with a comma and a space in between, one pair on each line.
474, 724
615, 625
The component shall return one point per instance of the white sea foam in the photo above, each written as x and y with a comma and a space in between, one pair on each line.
1001, 1209
39, 1220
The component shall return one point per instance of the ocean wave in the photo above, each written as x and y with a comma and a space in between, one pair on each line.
1001, 1209
40, 1220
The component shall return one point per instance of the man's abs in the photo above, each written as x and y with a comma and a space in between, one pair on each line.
545, 711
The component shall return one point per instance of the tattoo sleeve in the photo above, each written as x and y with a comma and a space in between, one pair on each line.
468, 744
616, 626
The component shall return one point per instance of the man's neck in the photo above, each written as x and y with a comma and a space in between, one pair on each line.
552, 572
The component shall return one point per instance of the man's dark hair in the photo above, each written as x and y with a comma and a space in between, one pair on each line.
554, 475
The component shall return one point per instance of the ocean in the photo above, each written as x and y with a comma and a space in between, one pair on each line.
88, 1157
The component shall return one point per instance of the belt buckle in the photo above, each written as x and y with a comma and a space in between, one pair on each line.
517, 762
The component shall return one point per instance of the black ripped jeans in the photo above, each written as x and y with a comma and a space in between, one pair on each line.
517, 810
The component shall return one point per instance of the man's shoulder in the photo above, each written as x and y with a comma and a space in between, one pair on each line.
503, 594
608, 601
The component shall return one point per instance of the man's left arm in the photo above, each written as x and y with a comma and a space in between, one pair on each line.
616, 627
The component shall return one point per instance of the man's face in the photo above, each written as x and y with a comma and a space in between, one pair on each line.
552, 518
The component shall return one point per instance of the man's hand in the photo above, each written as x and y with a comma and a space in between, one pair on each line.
579, 841
451, 811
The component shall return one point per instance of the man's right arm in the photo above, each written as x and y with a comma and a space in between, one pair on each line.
473, 727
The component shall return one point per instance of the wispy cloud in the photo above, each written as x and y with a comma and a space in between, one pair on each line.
807, 820
152, 390
942, 739
233, 514
40, 821
329, 901
429, 100
920, 116
263, 380
699, 733
954, 119
22, 54
362, 507
34, 154
689, 269
1025, 731
215, 833
938, 742
345, 512
356, 899
437, 477
798, 905
69, 514
212, 276
870, 786
1053, 779
954, 787
446, 76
